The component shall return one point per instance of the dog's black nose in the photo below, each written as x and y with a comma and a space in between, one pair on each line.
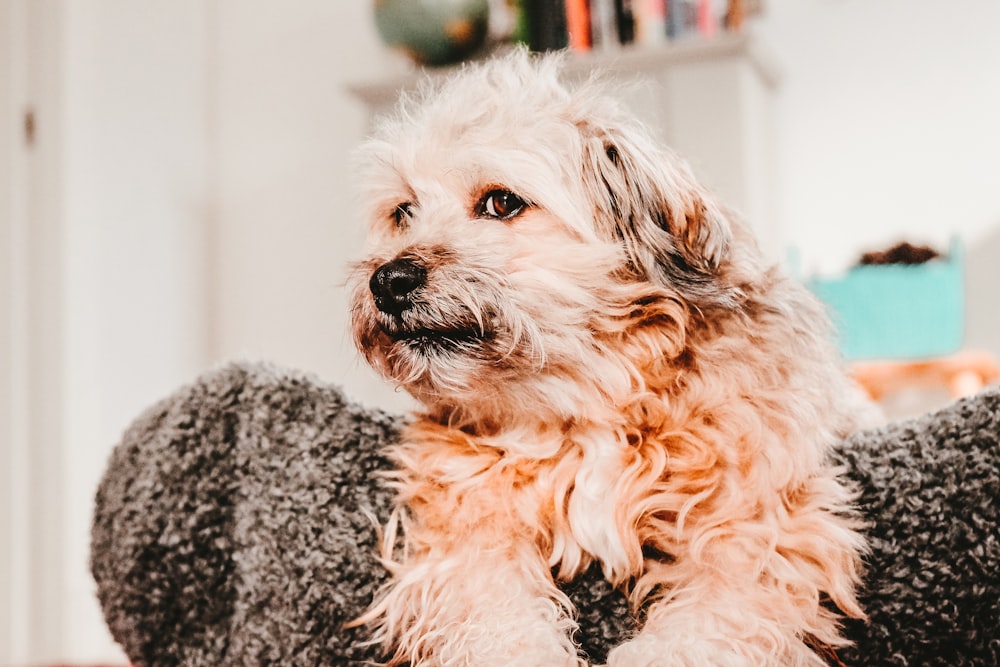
394, 283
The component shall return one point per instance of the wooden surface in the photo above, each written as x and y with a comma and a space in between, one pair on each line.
962, 374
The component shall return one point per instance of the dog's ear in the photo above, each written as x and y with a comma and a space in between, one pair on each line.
673, 233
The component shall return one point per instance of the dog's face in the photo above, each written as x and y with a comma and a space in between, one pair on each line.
517, 229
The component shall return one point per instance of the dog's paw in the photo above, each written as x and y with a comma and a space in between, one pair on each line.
536, 661
650, 651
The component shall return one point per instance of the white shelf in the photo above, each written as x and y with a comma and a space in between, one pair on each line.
628, 60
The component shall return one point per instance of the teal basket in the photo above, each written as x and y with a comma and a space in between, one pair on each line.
896, 311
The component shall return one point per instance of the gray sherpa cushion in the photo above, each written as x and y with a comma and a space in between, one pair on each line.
234, 526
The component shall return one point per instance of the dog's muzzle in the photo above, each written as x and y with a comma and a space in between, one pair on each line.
398, 289
394, 284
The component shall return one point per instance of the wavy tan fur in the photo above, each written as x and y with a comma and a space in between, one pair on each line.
613, 375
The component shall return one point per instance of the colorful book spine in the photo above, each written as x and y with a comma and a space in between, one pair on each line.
707, 20
650, 21
578, 24
682, 18
520, 33
603, 32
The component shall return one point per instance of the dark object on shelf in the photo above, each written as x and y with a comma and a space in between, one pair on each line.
433, 32
901, 253
547, 29
625, 20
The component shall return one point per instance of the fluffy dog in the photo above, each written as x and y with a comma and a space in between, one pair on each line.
610, 376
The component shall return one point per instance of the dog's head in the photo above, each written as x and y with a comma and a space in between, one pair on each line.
518, 228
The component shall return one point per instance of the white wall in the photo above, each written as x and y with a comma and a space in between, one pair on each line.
287, 222
136, 204
887, 122
113, 278
10, 156
32, 437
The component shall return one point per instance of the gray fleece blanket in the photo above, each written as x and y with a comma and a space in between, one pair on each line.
235, 526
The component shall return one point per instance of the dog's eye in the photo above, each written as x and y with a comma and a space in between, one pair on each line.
500, 204
401, 214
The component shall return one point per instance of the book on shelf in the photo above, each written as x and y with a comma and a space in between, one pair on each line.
650, 18
545, 24
625, 20
578, 24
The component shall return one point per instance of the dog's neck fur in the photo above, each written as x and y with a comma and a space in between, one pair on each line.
573, 451
591, 458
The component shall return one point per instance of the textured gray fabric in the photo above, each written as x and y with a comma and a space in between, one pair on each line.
234, 526
931, 491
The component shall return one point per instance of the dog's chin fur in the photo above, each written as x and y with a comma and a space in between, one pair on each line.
612, 375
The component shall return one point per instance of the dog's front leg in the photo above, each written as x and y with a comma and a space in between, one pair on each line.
719, 626
477, 605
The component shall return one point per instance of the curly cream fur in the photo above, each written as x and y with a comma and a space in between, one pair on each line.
613, 375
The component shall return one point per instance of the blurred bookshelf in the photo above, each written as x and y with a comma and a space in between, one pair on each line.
602, 24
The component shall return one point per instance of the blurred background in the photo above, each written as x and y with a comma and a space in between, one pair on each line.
176, 191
